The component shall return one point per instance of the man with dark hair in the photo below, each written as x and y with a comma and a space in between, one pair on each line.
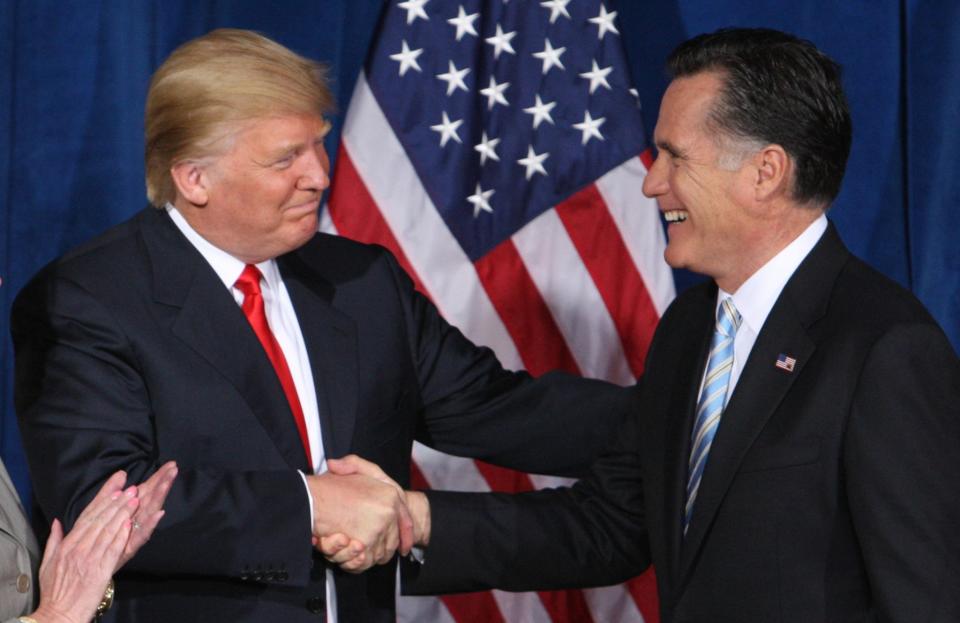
795, 452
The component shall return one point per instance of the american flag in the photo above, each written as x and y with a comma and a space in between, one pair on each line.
496, 148
785, 362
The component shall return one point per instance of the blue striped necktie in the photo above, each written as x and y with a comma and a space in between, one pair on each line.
713, 398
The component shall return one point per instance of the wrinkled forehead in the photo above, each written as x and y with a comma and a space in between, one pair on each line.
275, 131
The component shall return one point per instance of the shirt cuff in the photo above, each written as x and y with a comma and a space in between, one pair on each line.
309, 497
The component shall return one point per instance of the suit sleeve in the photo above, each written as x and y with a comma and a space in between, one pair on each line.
85, 411
555, 424
592, 534
901, 462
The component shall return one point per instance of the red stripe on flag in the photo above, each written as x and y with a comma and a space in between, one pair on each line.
643, 589
563, 606
357, 216
647, 158
597, 239
503, 479
463, 607
523, 311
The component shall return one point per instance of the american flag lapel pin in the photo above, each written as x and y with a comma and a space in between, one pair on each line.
785, 362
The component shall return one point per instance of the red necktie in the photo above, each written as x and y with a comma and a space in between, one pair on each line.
249, 284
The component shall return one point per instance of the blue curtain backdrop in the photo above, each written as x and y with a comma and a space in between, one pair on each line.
73, 77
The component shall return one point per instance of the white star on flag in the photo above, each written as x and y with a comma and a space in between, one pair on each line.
597, 77
447, 129
487, 148
454, 78
407, 58
534, 162
540, 112
414, 9
604, 21
550, 56
494, 93
557, 8
501, 42
464, 23
590, 127
479, 199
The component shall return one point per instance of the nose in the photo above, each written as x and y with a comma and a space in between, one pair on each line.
315, 174
655, 183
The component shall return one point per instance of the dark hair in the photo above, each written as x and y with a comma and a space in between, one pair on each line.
777, 89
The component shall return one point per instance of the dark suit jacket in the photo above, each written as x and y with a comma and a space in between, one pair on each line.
830, 493
130, 352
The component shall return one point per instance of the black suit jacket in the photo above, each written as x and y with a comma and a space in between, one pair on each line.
830, 493
130, 352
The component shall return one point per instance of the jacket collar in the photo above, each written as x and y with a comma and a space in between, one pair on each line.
208, 320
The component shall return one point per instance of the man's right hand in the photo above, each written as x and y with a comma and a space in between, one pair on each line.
371, 509
349, 553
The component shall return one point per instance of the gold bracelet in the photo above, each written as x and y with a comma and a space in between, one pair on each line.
107, 600
26, 620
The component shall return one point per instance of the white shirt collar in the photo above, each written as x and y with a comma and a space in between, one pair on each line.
757, 295
227, 267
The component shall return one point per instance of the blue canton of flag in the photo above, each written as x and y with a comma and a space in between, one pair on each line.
505, 108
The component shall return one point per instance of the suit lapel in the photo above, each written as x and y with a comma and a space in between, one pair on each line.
762, 386
331, 340
211, 323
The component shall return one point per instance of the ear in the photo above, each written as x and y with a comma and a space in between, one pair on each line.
192, 181
774, 170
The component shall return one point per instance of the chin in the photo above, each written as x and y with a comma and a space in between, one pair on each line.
673, 257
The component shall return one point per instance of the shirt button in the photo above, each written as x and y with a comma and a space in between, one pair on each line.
23, 583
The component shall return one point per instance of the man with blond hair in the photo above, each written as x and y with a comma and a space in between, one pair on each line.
219, 329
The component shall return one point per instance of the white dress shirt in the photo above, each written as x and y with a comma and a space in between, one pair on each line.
285, 327
755, 297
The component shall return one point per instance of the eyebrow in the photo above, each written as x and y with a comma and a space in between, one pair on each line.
294, 148
670, 148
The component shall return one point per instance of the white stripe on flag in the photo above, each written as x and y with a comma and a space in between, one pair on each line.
326, 223
639, 222
445, 472
567, 289
419, 609
442, 266
521, 607
612, 603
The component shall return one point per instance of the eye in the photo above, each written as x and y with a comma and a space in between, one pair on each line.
284, 162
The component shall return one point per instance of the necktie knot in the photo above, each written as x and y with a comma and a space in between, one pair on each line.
249, 281
728, 318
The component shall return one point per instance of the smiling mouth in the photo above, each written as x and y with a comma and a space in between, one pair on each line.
675, 216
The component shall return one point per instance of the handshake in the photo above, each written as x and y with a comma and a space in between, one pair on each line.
361, 517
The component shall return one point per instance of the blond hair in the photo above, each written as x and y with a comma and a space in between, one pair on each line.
210, 84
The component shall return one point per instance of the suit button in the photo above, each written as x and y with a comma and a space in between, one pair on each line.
316, 605
23, 583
